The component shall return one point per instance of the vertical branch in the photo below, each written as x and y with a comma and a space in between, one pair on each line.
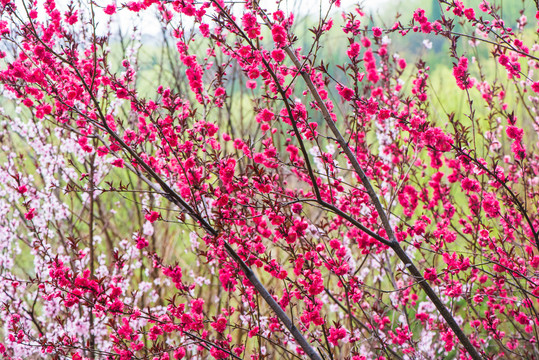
176, 199
92, 249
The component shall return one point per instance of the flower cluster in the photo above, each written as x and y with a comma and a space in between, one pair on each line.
249, 198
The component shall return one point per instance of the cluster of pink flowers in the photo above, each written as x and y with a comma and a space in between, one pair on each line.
174, 220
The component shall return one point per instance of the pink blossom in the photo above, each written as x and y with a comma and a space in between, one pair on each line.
220, 324
118, 163
491, 205
346, 93
152, 216
141, 241
218, 354
279, 35
336, 334
430, 274
402, 63
179, 353
514, 133
278, 55
469, 13
353, 50
436, 138
471, 185
28, 102
519, 150
460, 72
219, 92
250, 24
30, 214
110, 9
259, 158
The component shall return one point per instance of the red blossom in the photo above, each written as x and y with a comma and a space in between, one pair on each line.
250, 25
278, 55
346, 93
460, 72
118, 163
152, 216
353, 50
220, 324
110, 9
430, 274
277, 193
279, 35
30, 214
377, 32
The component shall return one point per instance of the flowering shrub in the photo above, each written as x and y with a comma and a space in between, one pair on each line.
340, 214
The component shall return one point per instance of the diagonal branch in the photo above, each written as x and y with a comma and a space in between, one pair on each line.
442, 309
171, 195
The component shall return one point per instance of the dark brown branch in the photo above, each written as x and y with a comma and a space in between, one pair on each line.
414, 271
